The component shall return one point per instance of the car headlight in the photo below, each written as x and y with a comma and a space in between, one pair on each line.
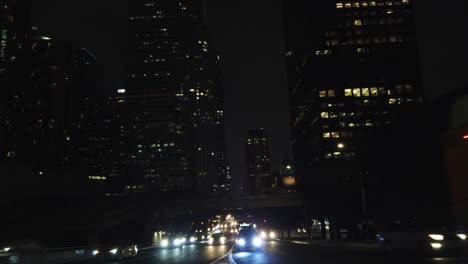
272, 235
222, 240
263, 235
183, 240
113, 251
177, 242
241, 242
436, 245
461, 236
192, 239
7, 249
203, 237
436, 237
95, 252
165, 243
257, 241
210, 240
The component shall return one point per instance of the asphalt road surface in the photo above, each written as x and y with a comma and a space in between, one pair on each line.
276, 252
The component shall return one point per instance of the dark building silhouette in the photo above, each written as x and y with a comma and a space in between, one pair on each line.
171, 130
259, 177
47, 87
353, 81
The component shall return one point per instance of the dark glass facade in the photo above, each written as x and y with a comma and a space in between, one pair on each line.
259, 179
171, 108
353, 77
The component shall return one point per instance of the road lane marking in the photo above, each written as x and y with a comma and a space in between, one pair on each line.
223, 256
231, 259
150, 256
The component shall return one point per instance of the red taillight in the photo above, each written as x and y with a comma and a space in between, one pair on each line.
465, 137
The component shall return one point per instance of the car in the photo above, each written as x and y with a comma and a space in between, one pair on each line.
248, 239
173, 241
116, 251
203, 237
191, 239
217, 239
431, 241
266, 234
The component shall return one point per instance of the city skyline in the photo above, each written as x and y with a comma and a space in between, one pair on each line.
209, 131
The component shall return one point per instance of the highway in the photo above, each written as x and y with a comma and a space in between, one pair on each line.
274, 252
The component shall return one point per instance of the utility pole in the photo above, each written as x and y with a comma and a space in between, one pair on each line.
364, 204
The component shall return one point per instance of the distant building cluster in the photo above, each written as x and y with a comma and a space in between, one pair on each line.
261, 177
162, 132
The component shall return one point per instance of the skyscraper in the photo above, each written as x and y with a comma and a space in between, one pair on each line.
259, 177
353, 78
170, 106
42, 80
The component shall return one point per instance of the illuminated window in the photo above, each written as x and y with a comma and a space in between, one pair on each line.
342, 114
389, 3
356, 4
333, 115
348, 5
357, 92
339, 5
326, 135
328, 155
323, 93
358, 22
393, 39
335, 135
392, 101
372, 3
374, 91
364, 4
365, 92
352, 125
366, 102
348, 92
342, 124
331, 93
324, 115
369, 124
405, 2
337, 154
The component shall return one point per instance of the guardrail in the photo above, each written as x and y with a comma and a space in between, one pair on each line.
46, 256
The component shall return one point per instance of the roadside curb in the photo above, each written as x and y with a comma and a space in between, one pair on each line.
335, 245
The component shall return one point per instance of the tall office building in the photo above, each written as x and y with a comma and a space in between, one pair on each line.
258, 162
353, 81
170, 104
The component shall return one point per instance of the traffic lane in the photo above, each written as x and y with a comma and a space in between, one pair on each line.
188, 254
200, 253
284, 252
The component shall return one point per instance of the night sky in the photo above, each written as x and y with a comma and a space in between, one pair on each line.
249, 36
